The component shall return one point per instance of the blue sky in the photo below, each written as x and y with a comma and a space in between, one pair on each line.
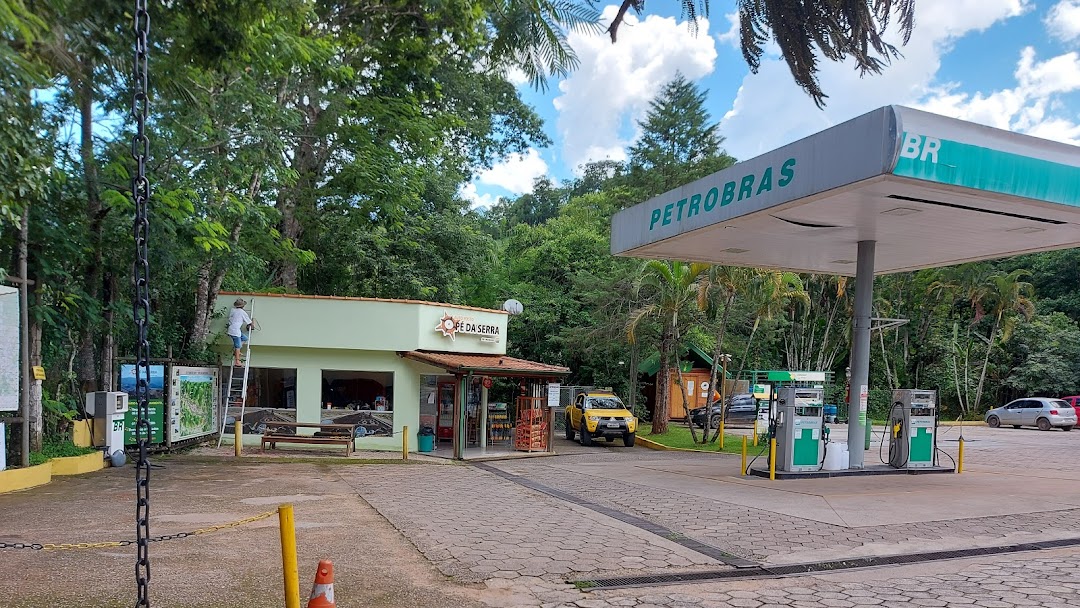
1011, 64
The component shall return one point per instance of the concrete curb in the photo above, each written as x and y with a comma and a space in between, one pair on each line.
652, 445
13, 480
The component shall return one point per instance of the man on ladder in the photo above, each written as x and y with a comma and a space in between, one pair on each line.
238, 320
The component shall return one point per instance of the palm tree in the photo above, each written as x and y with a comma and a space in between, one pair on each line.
1009, 297
717, 290
667, 290
805, 31
531, 35
773, 291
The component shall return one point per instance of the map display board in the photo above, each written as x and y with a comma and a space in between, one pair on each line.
193, 403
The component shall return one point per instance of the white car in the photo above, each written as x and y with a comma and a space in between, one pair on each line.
1042, 412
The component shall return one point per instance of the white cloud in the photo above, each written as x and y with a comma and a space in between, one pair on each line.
614, 83
471, 194
733, 35
1025, 107
1063, 20
516, 173
770, 110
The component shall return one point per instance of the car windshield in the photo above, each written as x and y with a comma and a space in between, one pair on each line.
603, 403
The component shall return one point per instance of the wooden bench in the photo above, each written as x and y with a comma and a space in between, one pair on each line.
333, 434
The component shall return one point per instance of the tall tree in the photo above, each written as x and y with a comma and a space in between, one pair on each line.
679, 142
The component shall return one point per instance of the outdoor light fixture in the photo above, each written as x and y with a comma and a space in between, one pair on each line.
734, 250
900, 211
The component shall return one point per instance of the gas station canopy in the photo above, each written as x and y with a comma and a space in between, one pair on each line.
930, 191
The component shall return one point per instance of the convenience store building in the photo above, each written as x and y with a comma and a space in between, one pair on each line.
388, 364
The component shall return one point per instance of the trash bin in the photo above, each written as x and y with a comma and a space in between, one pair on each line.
425, 439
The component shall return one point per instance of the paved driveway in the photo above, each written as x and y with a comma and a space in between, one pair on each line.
512, 533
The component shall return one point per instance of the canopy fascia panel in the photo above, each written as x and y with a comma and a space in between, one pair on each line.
931, 191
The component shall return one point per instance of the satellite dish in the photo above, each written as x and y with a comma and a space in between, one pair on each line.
513, 307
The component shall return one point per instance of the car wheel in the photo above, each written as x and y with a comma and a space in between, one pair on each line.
586, 438
628, 439
714, 421
1043, 424
569, 429
1066, 428
993, 421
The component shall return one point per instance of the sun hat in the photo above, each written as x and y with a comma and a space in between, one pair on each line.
239, 303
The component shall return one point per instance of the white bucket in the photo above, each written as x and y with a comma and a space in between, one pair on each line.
834, 456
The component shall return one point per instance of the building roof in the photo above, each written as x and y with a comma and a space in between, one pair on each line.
651, 365
488, 365
355, 299
931, 191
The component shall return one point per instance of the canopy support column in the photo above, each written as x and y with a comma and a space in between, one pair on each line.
860, 353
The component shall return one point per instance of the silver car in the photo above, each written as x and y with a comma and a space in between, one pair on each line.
1042, 412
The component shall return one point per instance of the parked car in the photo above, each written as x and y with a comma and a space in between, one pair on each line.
1074, 402
1042, 412
741, 408
600, 414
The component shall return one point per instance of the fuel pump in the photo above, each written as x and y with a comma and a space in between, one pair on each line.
912, 424
108, 409
799, 429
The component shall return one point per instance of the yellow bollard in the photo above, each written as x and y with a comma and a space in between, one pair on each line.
960, 459
405, 442
772, 459
238, 438
288, 556
755, 432
721, 433
742, 471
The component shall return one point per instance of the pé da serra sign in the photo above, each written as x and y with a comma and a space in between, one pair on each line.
451, 326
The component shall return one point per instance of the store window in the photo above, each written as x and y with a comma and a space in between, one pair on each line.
365, 399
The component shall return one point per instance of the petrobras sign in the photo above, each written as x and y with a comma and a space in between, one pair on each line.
736, 190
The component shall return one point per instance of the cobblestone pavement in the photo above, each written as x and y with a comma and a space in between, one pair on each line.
764, 535
474, 525
1038, 581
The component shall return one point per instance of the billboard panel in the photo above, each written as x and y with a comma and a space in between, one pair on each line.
157, 403
9, 349
193, 403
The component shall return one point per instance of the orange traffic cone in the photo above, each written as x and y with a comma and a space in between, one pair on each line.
322, 593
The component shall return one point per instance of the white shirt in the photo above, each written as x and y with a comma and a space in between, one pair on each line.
238, 318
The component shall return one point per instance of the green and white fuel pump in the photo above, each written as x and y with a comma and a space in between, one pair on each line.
799, 429
912, 425
107, 410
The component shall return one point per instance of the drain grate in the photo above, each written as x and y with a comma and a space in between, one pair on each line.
829, 566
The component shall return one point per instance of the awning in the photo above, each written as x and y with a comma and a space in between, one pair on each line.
487, 365
651, 365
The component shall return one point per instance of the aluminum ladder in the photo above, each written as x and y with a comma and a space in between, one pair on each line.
238, 385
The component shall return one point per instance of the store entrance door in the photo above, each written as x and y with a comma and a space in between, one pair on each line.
444, 424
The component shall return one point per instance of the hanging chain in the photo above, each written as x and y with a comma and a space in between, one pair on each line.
140, 190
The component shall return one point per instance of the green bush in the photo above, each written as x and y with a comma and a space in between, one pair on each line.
57, 449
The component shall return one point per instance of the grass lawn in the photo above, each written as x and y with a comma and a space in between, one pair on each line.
678, 436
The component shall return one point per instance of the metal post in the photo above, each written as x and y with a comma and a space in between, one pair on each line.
860, 352
772, 458
960, 458
289, 568
742, 471
723, 398
405, 442
238, 438
24, 340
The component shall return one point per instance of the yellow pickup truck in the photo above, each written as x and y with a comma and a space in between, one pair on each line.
600, 414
